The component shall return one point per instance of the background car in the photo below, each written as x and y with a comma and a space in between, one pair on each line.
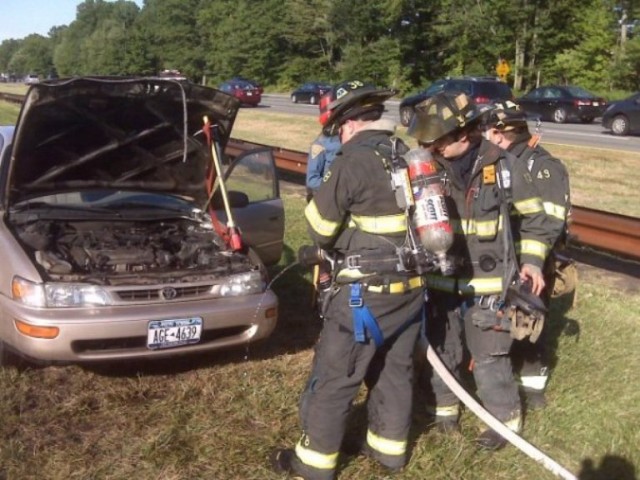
257, 85
623, 116
560, 104
31, 79
246, 92
310, 92
483, 90
115, 248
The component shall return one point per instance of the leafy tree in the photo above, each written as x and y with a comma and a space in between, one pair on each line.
7, 49
33, 56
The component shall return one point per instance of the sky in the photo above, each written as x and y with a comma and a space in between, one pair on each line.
19, 18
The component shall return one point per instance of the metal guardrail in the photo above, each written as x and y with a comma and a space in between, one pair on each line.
618, 234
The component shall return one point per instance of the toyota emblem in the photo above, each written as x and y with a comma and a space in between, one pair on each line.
169, 293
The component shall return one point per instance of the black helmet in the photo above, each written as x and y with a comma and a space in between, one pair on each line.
506, 116
355, 99
442, 114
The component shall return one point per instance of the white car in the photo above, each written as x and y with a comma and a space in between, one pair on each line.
115, 246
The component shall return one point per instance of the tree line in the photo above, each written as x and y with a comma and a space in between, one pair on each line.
404, 44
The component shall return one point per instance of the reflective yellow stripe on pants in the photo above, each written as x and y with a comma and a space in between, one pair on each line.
321, 461
385, 445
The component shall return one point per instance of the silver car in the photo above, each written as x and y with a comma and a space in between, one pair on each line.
115, 237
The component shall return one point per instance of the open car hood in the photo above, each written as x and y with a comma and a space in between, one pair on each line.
122, 133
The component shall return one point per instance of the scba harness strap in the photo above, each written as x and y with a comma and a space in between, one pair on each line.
363, 319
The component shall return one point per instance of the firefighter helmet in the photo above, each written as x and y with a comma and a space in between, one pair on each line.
506, 116
323, 104
442, 114
354, 99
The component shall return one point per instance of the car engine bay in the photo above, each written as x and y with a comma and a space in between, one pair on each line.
131, 252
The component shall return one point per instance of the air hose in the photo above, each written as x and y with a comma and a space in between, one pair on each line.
495, 424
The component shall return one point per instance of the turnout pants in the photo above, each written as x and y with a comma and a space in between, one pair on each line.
339, 367
449, 330
531, 360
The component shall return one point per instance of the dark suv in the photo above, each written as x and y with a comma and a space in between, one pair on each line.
482, 89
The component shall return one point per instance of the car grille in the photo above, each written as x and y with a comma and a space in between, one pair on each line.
165, 294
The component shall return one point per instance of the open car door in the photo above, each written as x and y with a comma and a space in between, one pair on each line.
256, 206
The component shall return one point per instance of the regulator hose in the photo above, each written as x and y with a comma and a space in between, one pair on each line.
495, 424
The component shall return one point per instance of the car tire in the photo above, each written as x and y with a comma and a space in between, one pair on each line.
294, 99
620, 125
406, 114
560, 115
313, 100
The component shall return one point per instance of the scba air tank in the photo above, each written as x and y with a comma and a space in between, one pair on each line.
430, 215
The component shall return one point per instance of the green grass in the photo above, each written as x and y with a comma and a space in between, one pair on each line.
218, 416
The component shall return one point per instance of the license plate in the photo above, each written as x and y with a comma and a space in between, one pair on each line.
173, 333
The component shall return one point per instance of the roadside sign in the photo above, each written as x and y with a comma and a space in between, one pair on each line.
502, 68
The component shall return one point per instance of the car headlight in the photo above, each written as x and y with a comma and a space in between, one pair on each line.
58, 295
241, 284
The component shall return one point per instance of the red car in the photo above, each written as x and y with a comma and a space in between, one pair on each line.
246, 92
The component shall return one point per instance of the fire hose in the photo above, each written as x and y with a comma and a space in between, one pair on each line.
499, 427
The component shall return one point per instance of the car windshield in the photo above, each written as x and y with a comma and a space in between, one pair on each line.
579, 92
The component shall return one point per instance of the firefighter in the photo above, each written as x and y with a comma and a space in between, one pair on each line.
481, 183
507, 127
323, 149
373, 317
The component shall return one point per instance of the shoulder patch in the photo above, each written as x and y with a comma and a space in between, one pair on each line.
316, 149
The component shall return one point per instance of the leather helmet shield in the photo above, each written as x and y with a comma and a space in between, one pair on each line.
354, 98
442, 114
506, 115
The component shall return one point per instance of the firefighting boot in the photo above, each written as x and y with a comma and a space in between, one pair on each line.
534, 399
491, 440
285, 461
445, 419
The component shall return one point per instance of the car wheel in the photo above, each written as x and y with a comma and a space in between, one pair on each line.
406, 113
620, 125
313, 100
560, 115
294, 99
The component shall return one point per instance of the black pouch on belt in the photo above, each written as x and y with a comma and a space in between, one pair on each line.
483, 318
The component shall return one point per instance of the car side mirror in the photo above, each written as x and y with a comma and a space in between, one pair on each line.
236, 200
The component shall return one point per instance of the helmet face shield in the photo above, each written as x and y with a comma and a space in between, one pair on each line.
442, 114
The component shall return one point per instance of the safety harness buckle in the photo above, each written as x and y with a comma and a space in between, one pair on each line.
490, 302
352, 261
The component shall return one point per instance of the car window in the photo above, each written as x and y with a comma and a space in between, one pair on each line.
435, 87
254, 175
494, 89
459, 86
552, 93
579, 92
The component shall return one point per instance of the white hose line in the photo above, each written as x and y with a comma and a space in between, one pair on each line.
495, 424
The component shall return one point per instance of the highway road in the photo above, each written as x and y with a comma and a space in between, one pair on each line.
575, 134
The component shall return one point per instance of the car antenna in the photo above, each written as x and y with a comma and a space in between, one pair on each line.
234, 239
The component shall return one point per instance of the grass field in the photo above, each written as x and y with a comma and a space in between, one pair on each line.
218, 416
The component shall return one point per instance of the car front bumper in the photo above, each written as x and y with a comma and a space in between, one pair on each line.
120, 333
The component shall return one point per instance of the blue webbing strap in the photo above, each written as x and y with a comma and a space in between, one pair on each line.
363, 319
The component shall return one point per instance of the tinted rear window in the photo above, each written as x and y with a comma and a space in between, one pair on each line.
494, 90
